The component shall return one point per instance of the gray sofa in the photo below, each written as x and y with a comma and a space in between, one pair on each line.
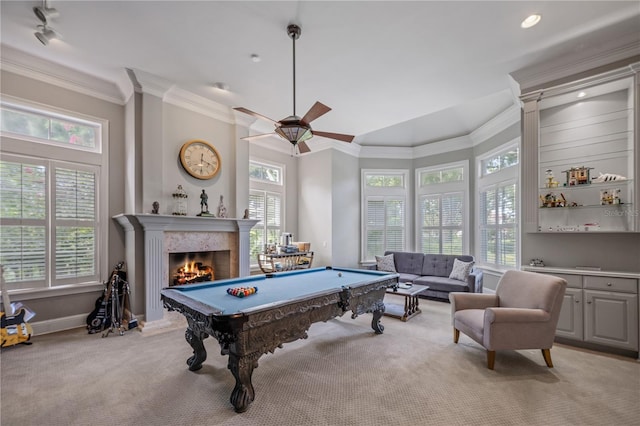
433, 270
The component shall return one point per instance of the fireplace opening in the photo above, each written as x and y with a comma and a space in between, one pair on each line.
197, 267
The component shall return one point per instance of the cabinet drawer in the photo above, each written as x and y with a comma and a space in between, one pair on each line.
573, 281
624, 285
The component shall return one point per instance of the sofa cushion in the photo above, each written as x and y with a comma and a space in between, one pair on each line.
461, 270
385, 263
441, 265
407, 278
442, 283
407, 262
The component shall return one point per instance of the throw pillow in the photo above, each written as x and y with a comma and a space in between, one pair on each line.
385, 263
461, 270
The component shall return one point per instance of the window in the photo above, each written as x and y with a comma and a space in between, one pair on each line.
384, 201
48, 127
49, 215
442, 208
266, 203
498, 209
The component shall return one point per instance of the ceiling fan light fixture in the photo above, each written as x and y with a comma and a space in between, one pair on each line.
294, 132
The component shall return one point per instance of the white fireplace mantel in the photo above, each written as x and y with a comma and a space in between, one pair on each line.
154, 228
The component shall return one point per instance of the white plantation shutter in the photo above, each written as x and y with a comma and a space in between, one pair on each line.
441, 194
395, 226
498, 212
385, 227
442, 223
507, 224
23, 241
75, 219
498, 225
384, 212
26, 244
375, 227
267, 208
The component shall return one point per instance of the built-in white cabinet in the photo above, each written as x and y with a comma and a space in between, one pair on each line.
598, 307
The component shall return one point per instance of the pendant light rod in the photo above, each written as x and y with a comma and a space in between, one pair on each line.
294, 32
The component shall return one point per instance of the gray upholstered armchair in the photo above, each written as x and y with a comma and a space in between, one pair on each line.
522, 314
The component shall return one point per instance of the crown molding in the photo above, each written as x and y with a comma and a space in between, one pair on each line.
21, 63
534, 77
323, 144
150, 83
199, 104
497, 124
440, 147
390, 152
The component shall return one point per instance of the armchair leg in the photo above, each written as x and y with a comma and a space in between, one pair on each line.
546, 354
456, 335
491, 359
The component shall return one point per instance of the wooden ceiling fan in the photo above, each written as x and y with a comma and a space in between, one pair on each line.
294, 129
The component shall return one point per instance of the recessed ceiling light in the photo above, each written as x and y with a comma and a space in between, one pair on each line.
582, 94
221, 86
255, 57
531, 21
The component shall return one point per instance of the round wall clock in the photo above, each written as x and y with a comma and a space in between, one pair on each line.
200, 159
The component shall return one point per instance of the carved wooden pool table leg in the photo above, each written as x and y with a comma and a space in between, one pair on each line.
242, 368
195, 338
377, 314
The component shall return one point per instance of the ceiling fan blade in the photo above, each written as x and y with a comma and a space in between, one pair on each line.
255, 114
317, 110
254, 137
338, 136
303, 147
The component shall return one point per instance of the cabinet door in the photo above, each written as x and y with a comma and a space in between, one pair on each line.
570, 320
611, 319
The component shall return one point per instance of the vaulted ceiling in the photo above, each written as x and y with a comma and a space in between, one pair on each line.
395, 73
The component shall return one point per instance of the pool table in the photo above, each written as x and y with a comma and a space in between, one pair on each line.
281, 311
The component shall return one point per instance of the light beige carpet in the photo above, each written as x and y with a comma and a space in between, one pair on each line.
342, 374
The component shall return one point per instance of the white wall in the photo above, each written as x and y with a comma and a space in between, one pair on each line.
315, 205
345, 210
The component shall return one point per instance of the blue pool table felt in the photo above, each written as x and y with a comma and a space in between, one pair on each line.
279, 289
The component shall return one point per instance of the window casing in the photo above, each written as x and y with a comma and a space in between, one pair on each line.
52, 226
498, 210
442, 209
384, 212
266, 203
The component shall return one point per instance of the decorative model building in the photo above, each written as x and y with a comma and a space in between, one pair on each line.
578, 176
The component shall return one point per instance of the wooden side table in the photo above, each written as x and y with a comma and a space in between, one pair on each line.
411, 305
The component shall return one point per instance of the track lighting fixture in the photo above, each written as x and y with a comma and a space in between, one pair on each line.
44, 12
46, 34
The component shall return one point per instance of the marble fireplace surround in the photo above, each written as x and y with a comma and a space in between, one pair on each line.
163, 234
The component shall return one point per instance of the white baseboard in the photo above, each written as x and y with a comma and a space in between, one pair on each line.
65, 323
59, 324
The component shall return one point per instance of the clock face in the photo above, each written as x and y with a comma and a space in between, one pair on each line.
200, 159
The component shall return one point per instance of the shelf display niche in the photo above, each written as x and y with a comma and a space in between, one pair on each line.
586, 160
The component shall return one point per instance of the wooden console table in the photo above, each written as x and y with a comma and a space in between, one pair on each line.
270, 263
